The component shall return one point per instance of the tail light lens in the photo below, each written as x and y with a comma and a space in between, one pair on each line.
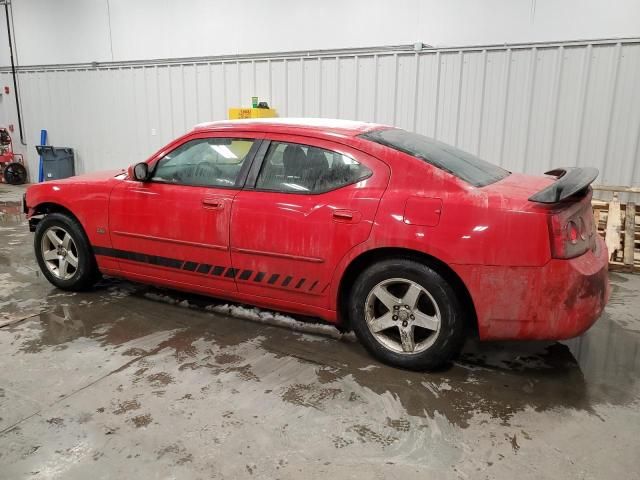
571, 232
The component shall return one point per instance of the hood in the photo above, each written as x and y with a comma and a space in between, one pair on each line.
66, 191
94, 177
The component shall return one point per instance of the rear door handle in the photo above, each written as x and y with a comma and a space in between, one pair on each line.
346, 216
213, 203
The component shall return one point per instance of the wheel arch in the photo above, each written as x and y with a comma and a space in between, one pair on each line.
45, 208
369, 257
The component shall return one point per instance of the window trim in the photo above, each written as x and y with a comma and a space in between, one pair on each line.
259, 162
371, 137
256, 167
242, 174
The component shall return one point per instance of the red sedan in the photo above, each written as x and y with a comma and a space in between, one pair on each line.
410, 242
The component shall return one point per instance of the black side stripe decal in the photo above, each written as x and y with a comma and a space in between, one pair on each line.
138, 257
245, 274
217, 270
202, 268
190, 266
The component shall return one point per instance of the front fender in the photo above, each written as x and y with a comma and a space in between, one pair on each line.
89, 203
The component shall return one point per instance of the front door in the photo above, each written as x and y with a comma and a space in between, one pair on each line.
311, 203
174, 228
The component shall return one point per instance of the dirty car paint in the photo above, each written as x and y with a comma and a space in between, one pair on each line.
495, 239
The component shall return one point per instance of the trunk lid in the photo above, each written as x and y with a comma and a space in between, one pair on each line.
513, 191
519, 191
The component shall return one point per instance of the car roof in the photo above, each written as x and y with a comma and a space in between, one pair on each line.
349, 128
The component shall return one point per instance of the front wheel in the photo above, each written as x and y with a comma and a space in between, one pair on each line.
64, 254
407, 315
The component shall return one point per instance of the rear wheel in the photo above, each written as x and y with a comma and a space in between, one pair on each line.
64, 254
407, 315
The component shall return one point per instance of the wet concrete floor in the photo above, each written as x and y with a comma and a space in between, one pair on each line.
131, 381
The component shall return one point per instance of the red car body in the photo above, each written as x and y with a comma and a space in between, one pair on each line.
296, 253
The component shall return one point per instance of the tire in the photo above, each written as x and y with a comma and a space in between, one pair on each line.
433, 325
76, 246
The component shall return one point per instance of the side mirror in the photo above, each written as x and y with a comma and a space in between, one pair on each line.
141, 172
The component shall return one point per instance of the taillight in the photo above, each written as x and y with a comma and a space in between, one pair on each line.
573, 232
569, 237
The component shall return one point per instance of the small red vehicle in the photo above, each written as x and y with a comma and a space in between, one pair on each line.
410, 242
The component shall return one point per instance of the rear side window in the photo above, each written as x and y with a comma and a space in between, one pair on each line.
296, 168
462, 164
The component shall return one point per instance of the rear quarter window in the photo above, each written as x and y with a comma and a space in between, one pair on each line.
463, 165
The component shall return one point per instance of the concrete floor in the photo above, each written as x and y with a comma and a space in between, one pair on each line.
124, 381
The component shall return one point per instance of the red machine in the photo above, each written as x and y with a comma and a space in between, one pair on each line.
12, 168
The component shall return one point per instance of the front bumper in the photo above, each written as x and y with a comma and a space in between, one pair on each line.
33, 223
559, 300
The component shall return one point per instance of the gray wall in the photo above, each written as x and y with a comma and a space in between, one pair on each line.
526, 107
69, 31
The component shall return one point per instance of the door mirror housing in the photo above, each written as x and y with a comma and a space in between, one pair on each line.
140, 172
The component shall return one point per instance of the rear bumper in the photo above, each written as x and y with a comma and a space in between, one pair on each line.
559, 300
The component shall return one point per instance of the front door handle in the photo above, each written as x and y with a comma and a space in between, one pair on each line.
346, 216
213, 203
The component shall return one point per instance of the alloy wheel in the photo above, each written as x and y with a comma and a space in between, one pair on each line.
402, 315
60, 253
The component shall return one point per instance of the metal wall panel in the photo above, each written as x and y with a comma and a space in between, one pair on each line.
526, 107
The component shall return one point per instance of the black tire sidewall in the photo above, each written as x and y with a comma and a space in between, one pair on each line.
86, 273
451, 334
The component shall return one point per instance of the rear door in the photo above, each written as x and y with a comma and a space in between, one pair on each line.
174, 228
307, 202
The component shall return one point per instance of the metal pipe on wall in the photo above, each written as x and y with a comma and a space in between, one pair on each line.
13, 72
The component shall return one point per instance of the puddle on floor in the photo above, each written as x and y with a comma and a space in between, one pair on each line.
11, 213
496, 379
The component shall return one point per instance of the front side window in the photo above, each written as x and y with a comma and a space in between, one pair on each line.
208, 162
462, 164
292, 167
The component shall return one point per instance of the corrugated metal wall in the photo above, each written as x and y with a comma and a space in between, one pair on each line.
526, 107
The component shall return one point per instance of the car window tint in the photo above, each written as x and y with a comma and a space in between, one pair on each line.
292, 167
462, 164
210, 162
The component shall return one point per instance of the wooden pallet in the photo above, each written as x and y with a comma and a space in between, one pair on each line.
619, 225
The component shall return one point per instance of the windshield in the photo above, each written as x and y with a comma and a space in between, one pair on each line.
462, 164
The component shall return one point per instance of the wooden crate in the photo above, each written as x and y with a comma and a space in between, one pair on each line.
619, 225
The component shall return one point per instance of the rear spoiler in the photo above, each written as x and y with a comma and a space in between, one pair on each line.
571, 181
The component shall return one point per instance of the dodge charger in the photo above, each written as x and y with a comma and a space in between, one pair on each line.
411, 243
